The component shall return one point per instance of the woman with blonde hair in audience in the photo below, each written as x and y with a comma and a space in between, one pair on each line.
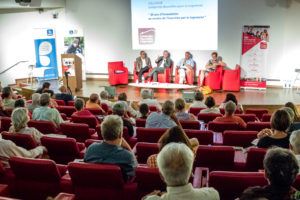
181, 113
19, 120
294, 108
177, 135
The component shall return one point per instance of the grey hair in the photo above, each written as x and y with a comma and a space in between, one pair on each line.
118, 109
290, 112
45, 99
146, 94
230, 107
175, 163
19, 118
295, 141
112, 127
35, 98
104, 95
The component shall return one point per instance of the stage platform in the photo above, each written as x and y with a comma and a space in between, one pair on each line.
271, 98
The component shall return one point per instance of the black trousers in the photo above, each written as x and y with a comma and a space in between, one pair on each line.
141, 72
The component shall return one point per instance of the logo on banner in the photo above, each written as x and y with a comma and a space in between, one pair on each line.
263, 45
49, 32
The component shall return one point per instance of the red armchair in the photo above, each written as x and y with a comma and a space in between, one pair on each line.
118, 74
189, 77
166, 76
231, 79
136, 77
214, 79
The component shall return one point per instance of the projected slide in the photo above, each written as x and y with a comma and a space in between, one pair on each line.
174, 24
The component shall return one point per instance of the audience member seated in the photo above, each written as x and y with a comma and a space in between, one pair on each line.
231, 97
21, 103
114, 149
294, 108
210, 103
104, 99
163, 62
176, 135
94, 102
143, 65
45, 86
3, 112
119, 109
80, 111
184, 67
230, 108
175, 164
278, 134
8, 101
45, 113
53, 103
294, 125
19, 119
123, 99
166, 119
181, 114
295, 145
198, 100
35, 102
64, 95
281, 169
147, 99
9, 149
144, 111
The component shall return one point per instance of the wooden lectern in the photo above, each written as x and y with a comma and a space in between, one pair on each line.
72, 69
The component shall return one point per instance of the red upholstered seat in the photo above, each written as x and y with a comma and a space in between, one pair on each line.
100, 182
45, 127
231, 79
222, 126
6, 175
88, 142
204, 137
189, 76
258, 126
37, 178
166, 76
71, 103
9, 111
258, 112
247, 117
136, 76
95, 111
22, 140
144, 150
63, 150
215, 157
208, 117
68, 110
255, 158
230, 185
148, 180
188, 124
195, 111
239, 138
266, 117
140, 122
296, 184
5, 123
91, 121
60, 102
104, 106
153, 109
149, 134
214, 79
118, 74
80, 132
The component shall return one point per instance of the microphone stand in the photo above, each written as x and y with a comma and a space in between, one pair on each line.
67, 80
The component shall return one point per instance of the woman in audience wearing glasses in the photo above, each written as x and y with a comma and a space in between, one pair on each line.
181, 114
19, 120
231, 97
281, 169
177, 135
278, 134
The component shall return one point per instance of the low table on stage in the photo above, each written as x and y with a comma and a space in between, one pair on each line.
156, 85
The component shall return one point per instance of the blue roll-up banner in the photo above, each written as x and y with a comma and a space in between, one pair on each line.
45, 52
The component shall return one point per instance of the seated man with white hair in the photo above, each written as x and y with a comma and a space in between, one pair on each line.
104, 99
295, 145
35, 102
175, 164
147, 99
114, 150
